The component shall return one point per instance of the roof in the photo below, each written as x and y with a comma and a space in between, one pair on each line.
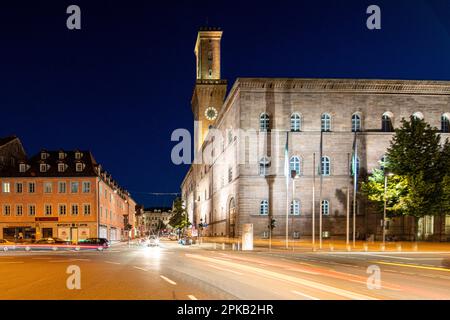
158, 209
6, 140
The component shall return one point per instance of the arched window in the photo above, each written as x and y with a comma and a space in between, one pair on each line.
264, 164
295, 208
383, 162
417, 115
386, 123
445, 123
325, 207
264, 120
355, 166
264, 208
325, 165
356, 123
294, 164
326, 122
295, 122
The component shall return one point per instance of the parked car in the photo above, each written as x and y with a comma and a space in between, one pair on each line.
99, 243
153, 241
5, 245
53, 241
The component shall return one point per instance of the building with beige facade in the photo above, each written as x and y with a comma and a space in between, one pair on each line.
262, 124
64, 194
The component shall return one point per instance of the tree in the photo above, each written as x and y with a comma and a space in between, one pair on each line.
160, 225
179, 219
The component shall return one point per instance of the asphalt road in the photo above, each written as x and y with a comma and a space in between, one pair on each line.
171, 271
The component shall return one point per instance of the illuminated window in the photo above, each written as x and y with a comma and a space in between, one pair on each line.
47, 187
294, 165
295, 122
295, 208
22, 167
326, 122
6, 187
264, 208
356, 123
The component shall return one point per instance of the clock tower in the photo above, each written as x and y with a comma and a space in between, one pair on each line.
210, 89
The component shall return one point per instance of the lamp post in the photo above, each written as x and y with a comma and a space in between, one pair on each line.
294, 176
386, 174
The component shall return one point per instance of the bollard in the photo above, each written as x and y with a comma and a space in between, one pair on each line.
349, 248
399, 247
382, 247
232, 246
239, 246
223, 246
215, 246
366, 247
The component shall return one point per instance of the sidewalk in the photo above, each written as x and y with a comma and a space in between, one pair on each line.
329, 245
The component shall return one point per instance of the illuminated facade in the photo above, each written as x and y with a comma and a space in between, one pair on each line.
244, 180
63, 194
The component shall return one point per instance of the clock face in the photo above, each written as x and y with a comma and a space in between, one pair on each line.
211, 113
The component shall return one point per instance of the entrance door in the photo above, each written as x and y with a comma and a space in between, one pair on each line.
74, 235
47, 232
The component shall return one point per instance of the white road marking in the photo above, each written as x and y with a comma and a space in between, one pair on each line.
223, 269
8, 262
112, 262
168, 280
192, 297
139, 268
305, 295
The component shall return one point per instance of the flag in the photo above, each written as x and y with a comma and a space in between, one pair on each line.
321, 153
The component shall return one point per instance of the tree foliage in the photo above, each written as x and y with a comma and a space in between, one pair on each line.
419, 164
179, 219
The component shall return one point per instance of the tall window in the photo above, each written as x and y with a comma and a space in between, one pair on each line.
445, 123
61, 187
264, 166
87, 209
264, 208
325, 165
31, 210
326, 122
19, 187
264, 122
6, 210
294, 165
295, 122
47, 187
325, 208
74, 187
62, 210
19, 210
48, 209
295, 208
383, 162
6, 187
31, 187
356, 123
86, 187
74, 210
386, 123
355, 166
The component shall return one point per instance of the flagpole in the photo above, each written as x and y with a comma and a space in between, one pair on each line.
320, 190
347, 225
314, 203
355, 186
286, 170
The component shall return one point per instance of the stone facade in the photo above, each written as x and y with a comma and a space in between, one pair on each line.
227, 188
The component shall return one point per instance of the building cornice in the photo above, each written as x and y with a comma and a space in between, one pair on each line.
373, 86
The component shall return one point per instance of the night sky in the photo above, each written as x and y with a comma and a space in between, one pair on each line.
123, 83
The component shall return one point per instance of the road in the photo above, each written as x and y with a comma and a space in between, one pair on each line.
171, 271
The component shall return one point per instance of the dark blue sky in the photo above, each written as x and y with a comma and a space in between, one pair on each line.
123, 83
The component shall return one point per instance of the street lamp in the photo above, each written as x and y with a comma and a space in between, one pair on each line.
294, 176
386, 174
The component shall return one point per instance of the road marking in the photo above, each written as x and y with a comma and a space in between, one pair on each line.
41, 258
139, 268
223, 269
412, 266
7, 262
70, 260
279, 276
168, 280
301, 270
305, 295
112, 262
192, 297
